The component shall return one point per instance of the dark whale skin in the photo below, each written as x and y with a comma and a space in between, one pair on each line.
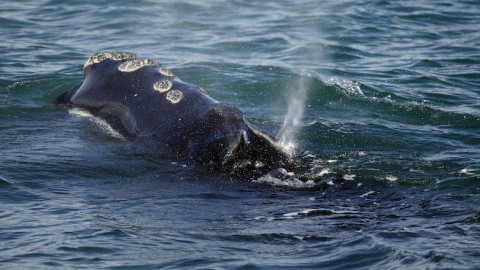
144, 101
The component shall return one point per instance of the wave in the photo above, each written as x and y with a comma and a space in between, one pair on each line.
4, 182
341, 95
357, 131
102, 124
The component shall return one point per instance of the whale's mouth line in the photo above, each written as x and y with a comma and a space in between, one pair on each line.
253, 151
276, 144
240, 143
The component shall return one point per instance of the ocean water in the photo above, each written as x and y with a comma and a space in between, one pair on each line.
379, 99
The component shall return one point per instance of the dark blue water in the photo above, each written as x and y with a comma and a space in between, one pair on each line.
384, 102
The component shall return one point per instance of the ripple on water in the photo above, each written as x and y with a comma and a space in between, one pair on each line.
395, 80
4, 182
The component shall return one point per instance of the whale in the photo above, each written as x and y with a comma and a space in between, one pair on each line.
145, 102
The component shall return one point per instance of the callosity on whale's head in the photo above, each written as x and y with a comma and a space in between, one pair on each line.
144, 101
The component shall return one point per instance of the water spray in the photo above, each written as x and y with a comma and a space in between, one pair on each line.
293, 119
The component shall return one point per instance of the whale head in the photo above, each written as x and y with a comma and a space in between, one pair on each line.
230, 144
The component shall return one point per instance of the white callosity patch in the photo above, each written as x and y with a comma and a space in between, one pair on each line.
162, 86
174, 96
166, 72
100, 57
132, 65
131, 62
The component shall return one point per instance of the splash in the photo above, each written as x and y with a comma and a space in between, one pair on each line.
98, 121
293, 119
281, 177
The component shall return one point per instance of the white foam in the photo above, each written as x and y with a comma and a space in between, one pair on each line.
320, 211
349, 177
162, 86
291, 215
348, 87
288, 146
289, 182
132, 65
98, 121
391, 178
367, 194
324, 172
174, 96
466, 171
309, 155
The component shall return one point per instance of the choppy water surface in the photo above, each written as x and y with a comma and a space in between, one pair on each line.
381, 99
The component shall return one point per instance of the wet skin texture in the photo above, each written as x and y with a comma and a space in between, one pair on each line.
145, 102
